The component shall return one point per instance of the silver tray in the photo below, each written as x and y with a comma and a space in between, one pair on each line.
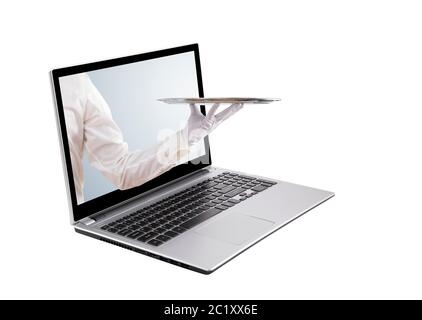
218, 100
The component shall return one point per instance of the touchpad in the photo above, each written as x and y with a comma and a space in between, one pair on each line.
235, 228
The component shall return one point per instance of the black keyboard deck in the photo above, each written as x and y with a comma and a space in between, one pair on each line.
169, 217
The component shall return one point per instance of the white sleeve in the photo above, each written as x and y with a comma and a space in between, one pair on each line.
108, 152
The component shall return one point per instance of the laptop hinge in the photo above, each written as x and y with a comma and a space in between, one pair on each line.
87, 221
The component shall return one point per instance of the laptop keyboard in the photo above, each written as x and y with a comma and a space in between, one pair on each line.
171, 216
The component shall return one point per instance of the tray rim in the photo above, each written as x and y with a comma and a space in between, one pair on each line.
182, 100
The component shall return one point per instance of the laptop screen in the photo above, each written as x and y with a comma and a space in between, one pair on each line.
118, 137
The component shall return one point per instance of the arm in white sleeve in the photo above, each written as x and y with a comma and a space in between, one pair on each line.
108, 152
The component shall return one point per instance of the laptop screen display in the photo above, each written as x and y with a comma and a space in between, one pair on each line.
119, 136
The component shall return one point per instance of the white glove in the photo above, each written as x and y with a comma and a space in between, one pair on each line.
199, 126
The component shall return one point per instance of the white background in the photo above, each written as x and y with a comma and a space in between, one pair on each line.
350, 76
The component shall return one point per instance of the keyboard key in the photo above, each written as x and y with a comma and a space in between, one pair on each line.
210, 184
154, 225
171, 234
200, 218
124, 232
145, 229
266, 181
198, 210
179, 221
160, 230
183, 219
221, 207
134, 235
235, 192
233, 201
112, 230
163, 238
179, 229
228, 204
266, 184
147, 236
172, 224
154, 242
259, 188
245, 177
191, 214
168, 226
227, 189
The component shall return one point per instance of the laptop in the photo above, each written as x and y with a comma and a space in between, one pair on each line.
193, 215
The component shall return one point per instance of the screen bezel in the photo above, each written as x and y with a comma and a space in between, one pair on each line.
116, 197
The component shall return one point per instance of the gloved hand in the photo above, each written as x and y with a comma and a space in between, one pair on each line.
199, 126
